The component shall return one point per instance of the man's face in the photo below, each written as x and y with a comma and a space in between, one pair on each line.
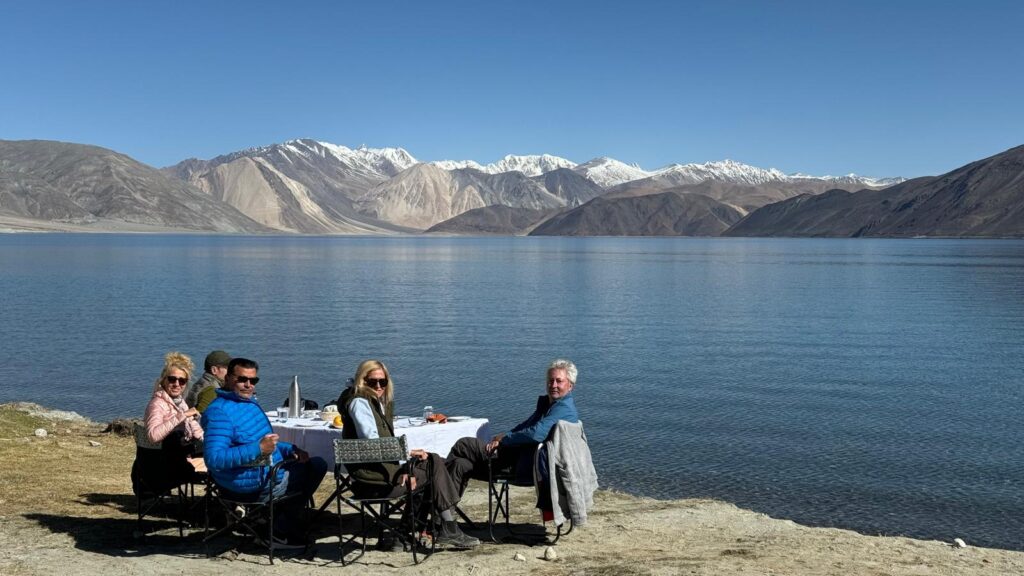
558, 384
219, 371
241, 382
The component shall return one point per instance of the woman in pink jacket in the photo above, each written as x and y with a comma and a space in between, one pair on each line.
167, 411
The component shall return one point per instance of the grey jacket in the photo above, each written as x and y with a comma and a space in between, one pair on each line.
572, 477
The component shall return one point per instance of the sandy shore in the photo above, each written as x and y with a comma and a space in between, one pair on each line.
66, 507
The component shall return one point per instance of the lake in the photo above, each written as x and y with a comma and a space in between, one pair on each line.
869, 384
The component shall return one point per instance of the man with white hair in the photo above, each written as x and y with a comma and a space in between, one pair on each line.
513, 450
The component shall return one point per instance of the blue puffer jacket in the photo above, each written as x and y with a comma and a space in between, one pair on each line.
535, 429
233, 428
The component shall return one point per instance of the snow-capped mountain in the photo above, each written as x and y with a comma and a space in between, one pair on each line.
531, 165
608, 172
853, 179
312, 186
725, 171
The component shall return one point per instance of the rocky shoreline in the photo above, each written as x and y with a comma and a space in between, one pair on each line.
66, 506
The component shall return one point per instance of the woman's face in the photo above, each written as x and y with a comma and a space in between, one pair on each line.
377, 381
174, 383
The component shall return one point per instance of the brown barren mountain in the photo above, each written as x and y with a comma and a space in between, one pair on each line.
48, 181
982, 199
665, 214
496, 219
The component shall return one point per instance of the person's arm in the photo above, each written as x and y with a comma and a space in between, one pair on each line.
161, 419
218, 450
564, 409
206, 395
361, 412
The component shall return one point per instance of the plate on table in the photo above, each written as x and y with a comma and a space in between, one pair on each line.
458, 418
315, 424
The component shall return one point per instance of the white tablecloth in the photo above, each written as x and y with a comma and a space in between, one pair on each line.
317, 438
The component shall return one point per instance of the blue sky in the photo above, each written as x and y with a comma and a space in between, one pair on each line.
878, 88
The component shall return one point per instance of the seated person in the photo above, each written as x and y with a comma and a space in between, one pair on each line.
238, 434
167, 411
367, 409
215, 367
172, 425
513, 451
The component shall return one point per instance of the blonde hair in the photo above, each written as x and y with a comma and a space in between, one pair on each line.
174, 360
359, 384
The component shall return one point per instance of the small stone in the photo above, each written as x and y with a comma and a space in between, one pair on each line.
41, 432
959, 543
550, 554
94, 444
519, 557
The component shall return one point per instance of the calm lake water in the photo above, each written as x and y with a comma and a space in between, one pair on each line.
868, 384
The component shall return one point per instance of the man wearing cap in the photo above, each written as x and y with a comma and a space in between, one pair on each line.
214, 370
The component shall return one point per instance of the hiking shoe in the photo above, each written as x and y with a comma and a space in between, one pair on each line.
460, 541
450, 536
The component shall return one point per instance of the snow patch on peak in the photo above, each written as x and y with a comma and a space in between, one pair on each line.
725, 170
458, 165
608, 172
531, 165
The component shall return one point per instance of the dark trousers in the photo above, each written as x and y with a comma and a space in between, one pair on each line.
443, 491
468, 458
301, 478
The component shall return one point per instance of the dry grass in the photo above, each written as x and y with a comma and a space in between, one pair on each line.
62, 472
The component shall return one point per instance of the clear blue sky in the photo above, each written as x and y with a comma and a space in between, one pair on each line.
879, 88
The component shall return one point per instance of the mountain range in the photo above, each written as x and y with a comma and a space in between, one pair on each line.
308, 186
982, 199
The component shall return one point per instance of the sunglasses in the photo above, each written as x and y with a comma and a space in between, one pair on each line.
376, 382
176, 380
243, 379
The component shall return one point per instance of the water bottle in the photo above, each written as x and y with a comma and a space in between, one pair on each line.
294, 399
428, 411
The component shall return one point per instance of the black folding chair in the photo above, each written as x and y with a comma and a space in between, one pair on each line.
244, 514
160, 477
498, 501
378, 509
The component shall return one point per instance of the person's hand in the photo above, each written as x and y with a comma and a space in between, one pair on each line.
268, 444
301, 455
418, 453
191, 413
492, 446
406, 479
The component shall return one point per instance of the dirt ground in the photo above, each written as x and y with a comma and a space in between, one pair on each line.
66, 507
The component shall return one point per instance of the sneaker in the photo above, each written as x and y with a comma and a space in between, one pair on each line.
278, 543
450, 536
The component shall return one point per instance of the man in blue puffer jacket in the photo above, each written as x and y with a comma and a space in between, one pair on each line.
237, 433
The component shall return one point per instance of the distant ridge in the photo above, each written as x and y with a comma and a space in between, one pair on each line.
82, 184
497, 219
982, 199
663, 214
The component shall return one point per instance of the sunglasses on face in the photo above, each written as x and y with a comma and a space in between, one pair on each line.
376, 382
176, 380
244, 379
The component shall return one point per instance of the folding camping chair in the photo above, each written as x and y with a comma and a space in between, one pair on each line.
246, 515
160, 477
378, 509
